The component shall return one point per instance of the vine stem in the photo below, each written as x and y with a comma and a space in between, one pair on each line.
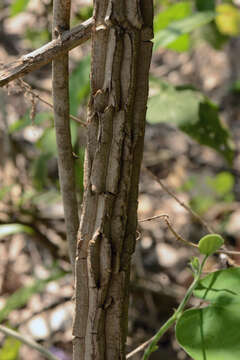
153, 346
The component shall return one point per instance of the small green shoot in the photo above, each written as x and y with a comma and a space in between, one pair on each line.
209, 244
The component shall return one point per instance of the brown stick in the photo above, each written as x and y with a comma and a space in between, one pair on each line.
27, 88
60, 79
45, 54
185, 206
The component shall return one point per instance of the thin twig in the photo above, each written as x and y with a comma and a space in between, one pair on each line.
185, 206
27, 341
154, 218
26, 87
66, 170
165, 217
140, 348
45, 54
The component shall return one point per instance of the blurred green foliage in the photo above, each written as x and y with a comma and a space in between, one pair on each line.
18, 6
22, 296
206, 191
197, 116
10, 349
10, 229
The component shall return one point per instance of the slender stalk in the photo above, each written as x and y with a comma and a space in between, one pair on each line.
29, 342
60, 79
153, 346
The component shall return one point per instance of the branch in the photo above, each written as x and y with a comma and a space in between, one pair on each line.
27, 89
27, 341
185, 206
60, 81
45, 54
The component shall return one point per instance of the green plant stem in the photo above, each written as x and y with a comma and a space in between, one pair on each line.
153, 346
29, 342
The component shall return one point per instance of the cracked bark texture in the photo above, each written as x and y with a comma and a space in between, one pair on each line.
60, 77
121, 55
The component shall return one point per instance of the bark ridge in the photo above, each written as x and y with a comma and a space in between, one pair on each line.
121, 55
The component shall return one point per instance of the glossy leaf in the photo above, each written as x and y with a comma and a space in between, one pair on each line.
209, 244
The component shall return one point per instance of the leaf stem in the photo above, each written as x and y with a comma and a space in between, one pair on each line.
153, 346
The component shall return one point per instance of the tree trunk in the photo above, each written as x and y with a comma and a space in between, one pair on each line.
121, 55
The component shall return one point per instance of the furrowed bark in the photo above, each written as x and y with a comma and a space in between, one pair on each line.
60, 77
45, 54
121, 55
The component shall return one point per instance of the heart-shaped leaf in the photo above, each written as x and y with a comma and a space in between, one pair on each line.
212, 333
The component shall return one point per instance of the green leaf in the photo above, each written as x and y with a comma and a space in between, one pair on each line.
211, 333
195, 264
37, 37
172, 13
79, 171
228, 19
18, 6
211, 131
177, 28
47, 143
74, 131
22, 296
79, 85
223, 282
197, 117
204, 5
10, 349
5, 190
222, 183
26, 121
209, 244
11, 229
40, 170
211, 34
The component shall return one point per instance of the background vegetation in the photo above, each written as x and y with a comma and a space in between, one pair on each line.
192, 144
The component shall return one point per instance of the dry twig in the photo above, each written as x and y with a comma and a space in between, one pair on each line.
185, 206
26, 87
45, 54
